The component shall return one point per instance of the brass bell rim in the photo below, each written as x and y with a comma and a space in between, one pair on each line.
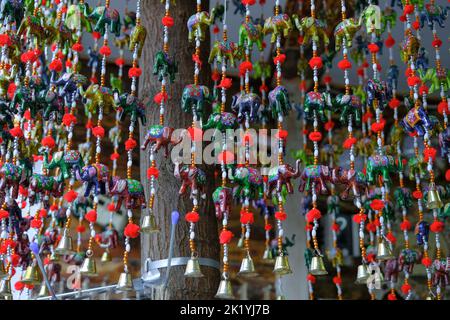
148, 225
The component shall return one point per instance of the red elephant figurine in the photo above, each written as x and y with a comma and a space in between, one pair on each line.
192, 177
160, 136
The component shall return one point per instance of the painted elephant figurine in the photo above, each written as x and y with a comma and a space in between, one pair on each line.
417, 166
407, 258
105, 18
221, 121
44, 186
94, 176
194, 98
345, 31
261, 69
440, 275
282, 175
52, 104
431, 14
389, 16
417, 120
409, 47
377, 90
94, 58
130, 105
422, 231
14, 10
279, 102
316, 175
313, 29
77, 17
391, 270
250, 34
224, 49
159, 136
381, 165
137, 39
222, 198
444, 142
116, 83
12, 176
353, 180
191, 177
128, 190
32, 26
371, 16
199, 23
246, 105
348, 105
422, 61
279, 25
70, 85
403, 197
97, 96
435, 80
249, 183
316, 103
108, 239
24, 99
66, 161
164, 66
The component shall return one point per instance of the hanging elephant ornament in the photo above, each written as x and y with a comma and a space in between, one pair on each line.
191, 177
348, 106
137, 38
249, 183
407, 258
70, 85
389, 15
194, 98
280, 176
246, 106
444, 142
97, 96
312, 29
318, 103
354, 181
164, 66
371, 17
223, 199
382, 165
128, 191
158, 137
409, 47
346, 29
251, 34
199, 24
378, 90
77, 17
42, 186
279, 25
433, 14
106, 19
403, 197
317, 175
130, 105
11, 177
65, 161
279, 102
422, 231
95, 177
221, 121
227, 50
441, 269
417, 121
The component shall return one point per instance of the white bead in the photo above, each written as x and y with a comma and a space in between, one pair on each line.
128, 248
92, 233
98, 150
192, 235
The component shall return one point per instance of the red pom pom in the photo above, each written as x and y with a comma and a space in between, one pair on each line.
279, 59
54, 207
48, 142
413, 81
316, 62
408, 9
373, 48
377, 204
29, 56
120, 62
437, 42
167, 21
160, 97
315, 136
359, 218
225, 237
349, 142
248, 2
192, 217
23, 191
16, 132
225, 83
280, 215
300, 39
247, 218
329, 125
81, 229
215, 76
56, 65
15, 259
429, 153
105, 51
406, 288
389, 42
377, 126
426, 262
78, 47
264, 88
111, 207
70, 196
114, 156
335, 227
447, 175
134, 72
344, 64
443, 107
98, 132
3, 214
69, 119
392, 296
392, 239
91, 216
43, 213
19, 286
11, 90
417, 194
226, 157
152, 172
313, 214
337, 280
394, 103
437, 227
131, 231
405, 225
423, 90
5, 40
311, 278
130, 144
282, 134
327, 79
245, 66
416, 25
36, 223
368, 115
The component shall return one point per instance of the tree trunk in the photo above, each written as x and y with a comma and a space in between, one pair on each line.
167, 199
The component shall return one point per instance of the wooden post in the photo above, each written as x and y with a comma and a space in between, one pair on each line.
167, 198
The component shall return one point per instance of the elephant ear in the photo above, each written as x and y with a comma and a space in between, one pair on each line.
57, 156
121, 185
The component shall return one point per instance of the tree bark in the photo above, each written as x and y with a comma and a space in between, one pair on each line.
167, 199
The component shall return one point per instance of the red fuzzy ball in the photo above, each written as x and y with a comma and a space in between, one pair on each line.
437, 227
167, 21
429, 153
344, 64
16, 132
130, 144
111, 207
358, 218
225, 237
405, 225
3, 214
392, 239
373, 48
19, 286
389, 42
114, 156
36, 223
349, 142
394, 103
337, 280
426, 262
70, 196
311, 278
105, 51
91, 216
437, 42
69, 119
377, 126
313, 214
225, 83
152, 172
414, 81
315, 136
443, 107
247, 218
392, 296
78, 47
280, 215
327, 79
406, 288
248, 2
56, 65
447, 175
377, 204
329, 125
192, 217
279, 59
316, 62
48, 142
81, 229
98, 132
134, 72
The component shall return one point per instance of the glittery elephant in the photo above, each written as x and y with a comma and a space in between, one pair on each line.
97, 96
417, 167
417, 120
164, 66
353, 180
194, 98
407, 258
391, 270
444, 142
94, 176
77, 17
199, 23
441, 269
42, 186
129, 191
346, 30
227, 50
191, 177
279, 102
66, 161
249, 183
137, 39
433, 14
403, 197
377, 90
316, 175
315, 105
221, 121
378, 165
348, 106
250, 34
222, 198
131, 106
281, 175
279, 25
313, 29
160, 137
105, 18
246, 105
371, 16
422, 231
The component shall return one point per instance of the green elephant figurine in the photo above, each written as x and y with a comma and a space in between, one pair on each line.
224, 49
249, 183
106, 17
346, 30
435, 80
97, 97
221, 121
194, 98
417, 166
279, 102
165, 67
66, 161
313, 29
403, 197
251, 34
137, 38
316, 103
199, 24
262, 69
77, 17
116, 83
279, 25
348, 105
389, 16
371, 16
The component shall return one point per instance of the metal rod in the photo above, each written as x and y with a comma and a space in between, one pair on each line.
69, 294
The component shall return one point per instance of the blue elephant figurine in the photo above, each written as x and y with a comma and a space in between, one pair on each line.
417, 120
95, 175
194, 98
422, 231
246, 105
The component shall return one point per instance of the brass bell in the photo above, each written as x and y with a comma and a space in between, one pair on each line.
318, 267
282, 265
32, 276
125, 282
434, 199
268, 255
383, 251
149, 225
362, 274
225, 291
65, 246
240, 243
43, 291
106, 257
5, 289
247, 268
89, 268
54, 257
193, 269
